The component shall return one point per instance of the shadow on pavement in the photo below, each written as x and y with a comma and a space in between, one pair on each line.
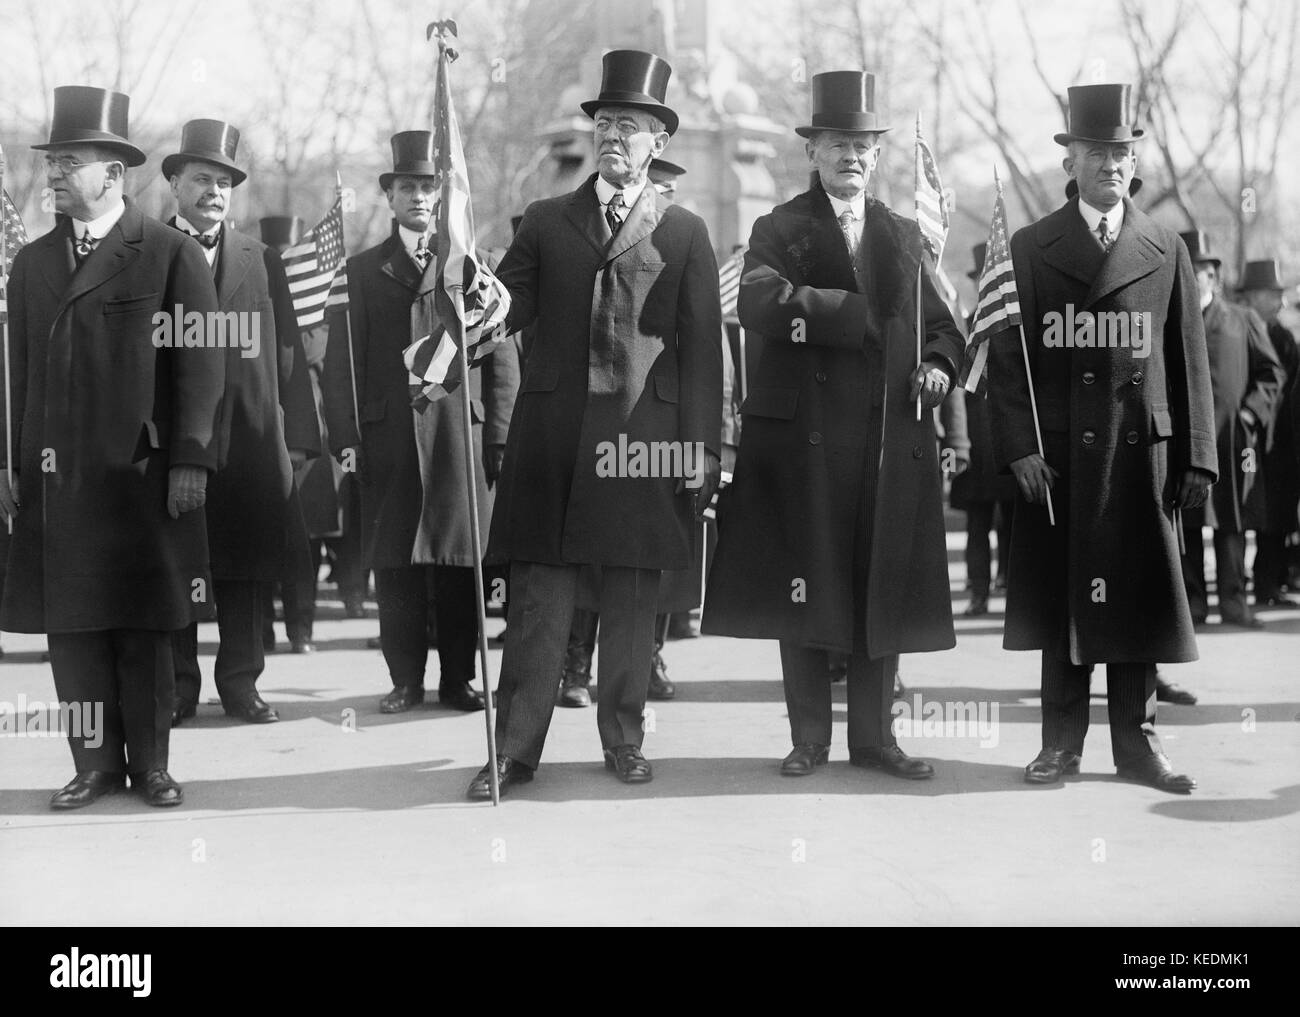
1285, 802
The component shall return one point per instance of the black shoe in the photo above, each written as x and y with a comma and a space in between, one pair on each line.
1157, 772
302, 645
1000, 584
374, 643
85, 787
838, 663
631, 766
1169, 692
1275, 599
574, 691
680, 627
979, 607
661, 688
1242, 619
402, 698
892, 760
182, 712
459, 696
803, 759
509, 773
1050, 765
354, 606
158, 788
251, 710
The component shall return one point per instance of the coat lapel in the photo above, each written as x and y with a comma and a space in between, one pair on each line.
56, 263
1068, 246
235, 258
1135, 253
824, 236
117, 250
639, 224
584, 212
398, 264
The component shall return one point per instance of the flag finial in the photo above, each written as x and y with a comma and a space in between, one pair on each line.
442, 29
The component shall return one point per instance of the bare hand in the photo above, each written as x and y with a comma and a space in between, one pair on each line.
493, 456
930, 382
1034, 477
187, 488
8, 496
1193, 489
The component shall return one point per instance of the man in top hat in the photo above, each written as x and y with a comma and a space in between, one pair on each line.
1125, 414
415, 527
1246, 379
831, 537
623, 287
268, 426
1277, 493
116, 438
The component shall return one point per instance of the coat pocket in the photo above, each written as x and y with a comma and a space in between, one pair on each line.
777, 403
126, 305
666, 388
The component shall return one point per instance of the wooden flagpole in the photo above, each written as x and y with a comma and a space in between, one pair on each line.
347, 318
4, 287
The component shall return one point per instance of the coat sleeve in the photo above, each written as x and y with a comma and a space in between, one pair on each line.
301, 425
518, 271
15, 365
1267, 375
952, 419
197, 376
699, 345
338, 379
1187, 370
943, 339
1014, 432
500, 388
771, 304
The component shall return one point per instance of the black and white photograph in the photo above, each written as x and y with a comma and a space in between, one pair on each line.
651, 464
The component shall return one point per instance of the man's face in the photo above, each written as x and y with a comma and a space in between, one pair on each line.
625, 141
413, 201
202, 193
844, 160
1207, 279
665, 184
81, 177
1266, 303
1103, 171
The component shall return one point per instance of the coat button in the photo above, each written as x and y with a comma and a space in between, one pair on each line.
815, 438
1089, 437
916, 452
1089, 377
1137, 378
1131, 437
820, 375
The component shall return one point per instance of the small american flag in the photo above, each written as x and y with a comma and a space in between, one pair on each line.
13, 237
711, 512
931, 208
311, 264
338, 295
998, 309
729, 283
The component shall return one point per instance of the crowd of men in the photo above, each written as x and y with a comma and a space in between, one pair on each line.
157, 483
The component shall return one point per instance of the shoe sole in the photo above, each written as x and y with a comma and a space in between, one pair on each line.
869, 764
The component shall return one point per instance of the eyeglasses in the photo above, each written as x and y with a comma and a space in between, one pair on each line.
67, 165
625, 128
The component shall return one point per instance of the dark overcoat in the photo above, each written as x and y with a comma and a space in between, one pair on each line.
827, 424
1105, 583
1244, 374
627, 349
414, 478
1281, 485
104, 414
255, 524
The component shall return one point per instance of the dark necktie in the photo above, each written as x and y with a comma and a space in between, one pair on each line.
208, 240
82, 247
1104, 235
611, 214
422, 254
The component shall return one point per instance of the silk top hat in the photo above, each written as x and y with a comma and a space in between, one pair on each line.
1198, 246
1099, 113
665, 167
280, 229
632, 77
843, 101
1261, 275
977, 254
92, 116
210, 141
413, 156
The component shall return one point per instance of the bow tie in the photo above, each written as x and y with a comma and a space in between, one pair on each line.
208, 240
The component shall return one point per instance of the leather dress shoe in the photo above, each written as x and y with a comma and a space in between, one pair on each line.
803, 759
1050, 765
979, 607
680, 627
158, 788
631, 766
402, 698
85, 787
302, 645
459, 696
509, 773
1156, 771
251, 710
1170, 692
354, 606
574, 691
182, 712
892, 760
660, 688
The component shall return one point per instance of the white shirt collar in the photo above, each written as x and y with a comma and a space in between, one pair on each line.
411, 240
98, 228
190, 228
857, 207
605, 190
1093, 216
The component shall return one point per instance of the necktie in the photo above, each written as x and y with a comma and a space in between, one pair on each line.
83, 246
422, 253
611, 212
846, 227
208, 240
1104, 235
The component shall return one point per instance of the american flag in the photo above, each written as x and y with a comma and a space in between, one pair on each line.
729, 282
931, 208
338, 295
14, 238
462, 303
311, 264
998, 309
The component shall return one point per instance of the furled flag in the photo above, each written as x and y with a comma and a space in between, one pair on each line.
729, 283
461, 302
14, 238
998, 308
311, 264
931, 208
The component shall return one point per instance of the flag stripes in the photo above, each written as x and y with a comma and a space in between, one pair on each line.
998, 308
311, 265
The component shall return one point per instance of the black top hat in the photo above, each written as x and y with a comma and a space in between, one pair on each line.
413, 156
977, 255
1261, 275
843, 101
632, 77
92, 116
212, 141
664, 166
1198, 246
1099, 113
281, 229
